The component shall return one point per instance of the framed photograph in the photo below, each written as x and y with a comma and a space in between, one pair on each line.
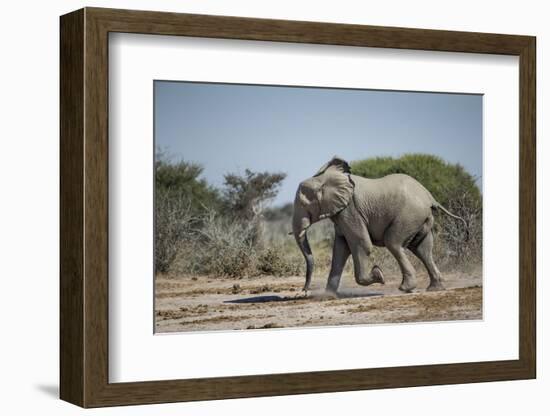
254, 207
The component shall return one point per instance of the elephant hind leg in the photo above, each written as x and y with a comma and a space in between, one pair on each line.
408, 284
424, 252
396, 238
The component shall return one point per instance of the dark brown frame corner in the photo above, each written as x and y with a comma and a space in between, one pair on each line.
84, 207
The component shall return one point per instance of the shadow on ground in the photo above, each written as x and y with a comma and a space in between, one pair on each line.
312, 297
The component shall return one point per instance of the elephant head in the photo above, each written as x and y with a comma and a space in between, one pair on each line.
325, 194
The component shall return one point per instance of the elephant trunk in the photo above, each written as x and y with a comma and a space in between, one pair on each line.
306, 251
300, 224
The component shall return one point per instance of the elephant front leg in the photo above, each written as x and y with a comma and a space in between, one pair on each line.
356, 234
340, 254
360, 253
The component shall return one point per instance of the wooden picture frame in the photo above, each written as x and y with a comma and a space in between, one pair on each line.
84, 207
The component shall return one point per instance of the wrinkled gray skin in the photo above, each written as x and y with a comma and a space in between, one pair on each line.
395, 212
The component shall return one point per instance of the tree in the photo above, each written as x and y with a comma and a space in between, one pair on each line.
246, 195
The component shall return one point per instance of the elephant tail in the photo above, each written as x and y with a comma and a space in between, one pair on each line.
450, 214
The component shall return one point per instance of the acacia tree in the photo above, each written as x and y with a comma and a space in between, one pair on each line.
247, 195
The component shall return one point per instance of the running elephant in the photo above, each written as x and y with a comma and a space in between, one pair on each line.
395, 212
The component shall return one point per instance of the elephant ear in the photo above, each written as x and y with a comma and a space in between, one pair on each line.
337, 187
337, 163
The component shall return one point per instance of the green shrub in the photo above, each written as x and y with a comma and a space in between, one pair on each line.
182, 178
444, 180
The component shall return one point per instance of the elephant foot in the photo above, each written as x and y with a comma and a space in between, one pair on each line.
435, 287
329, 294
331, 291
377, 276
407, 286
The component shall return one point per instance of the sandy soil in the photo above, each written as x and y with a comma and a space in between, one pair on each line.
209, 304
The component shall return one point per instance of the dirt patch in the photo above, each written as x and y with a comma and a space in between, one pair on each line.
209, 304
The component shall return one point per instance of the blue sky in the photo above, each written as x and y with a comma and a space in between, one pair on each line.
231, 127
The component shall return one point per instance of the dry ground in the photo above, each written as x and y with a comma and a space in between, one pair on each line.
209, 304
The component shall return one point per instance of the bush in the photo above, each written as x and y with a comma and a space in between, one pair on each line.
180, 199
224, 247
183, 179
275, 262
455, 244
173, 224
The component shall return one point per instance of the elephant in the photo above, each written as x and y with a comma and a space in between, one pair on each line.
394, 211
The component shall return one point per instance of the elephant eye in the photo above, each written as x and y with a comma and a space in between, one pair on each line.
319, 195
